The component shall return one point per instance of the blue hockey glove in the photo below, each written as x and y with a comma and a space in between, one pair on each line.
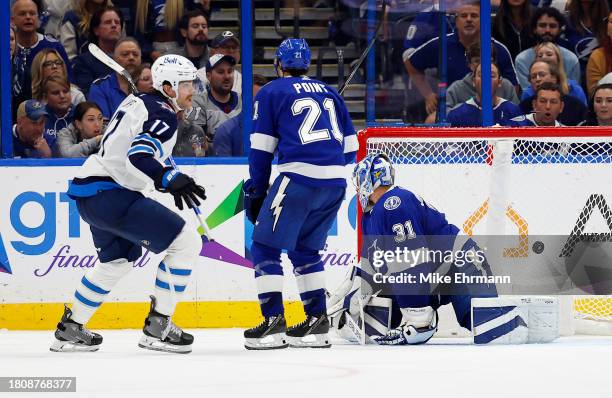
181, 186
253, 200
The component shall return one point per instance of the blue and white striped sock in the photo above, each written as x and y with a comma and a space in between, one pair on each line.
179, 278
95, 286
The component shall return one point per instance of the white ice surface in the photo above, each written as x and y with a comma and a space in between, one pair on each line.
219, 366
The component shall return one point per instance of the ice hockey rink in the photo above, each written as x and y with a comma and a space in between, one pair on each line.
219, 366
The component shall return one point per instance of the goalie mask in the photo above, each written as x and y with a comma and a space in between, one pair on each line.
374, 171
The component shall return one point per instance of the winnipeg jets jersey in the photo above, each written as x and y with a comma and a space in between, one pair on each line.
138, 140
307, 123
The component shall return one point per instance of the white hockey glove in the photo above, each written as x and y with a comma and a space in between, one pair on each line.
418, 326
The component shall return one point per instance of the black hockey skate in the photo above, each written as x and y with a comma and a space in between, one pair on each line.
161, 334
310, 333
74, 337
268, 335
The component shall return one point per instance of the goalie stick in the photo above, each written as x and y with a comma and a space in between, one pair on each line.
111, 63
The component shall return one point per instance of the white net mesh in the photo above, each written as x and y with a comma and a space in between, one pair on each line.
570, 159
470, 151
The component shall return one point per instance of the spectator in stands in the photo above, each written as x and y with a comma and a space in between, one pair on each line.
60, 112
194, 30
511, 25
13, 42
24, 16
547, 105
586, 25
229, 137
574, 111
74, 29
191, 139
104, 31
464, 89
467, 33
82, 137
156, 22
425, 26
600, 61
547, 24
56, 10
28, 138
109, 91
549, 52
225, 43
600, 112
49, 63
219, 102
469, 113
142, 78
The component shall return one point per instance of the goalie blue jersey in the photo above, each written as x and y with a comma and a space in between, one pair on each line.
406, 217
306, 122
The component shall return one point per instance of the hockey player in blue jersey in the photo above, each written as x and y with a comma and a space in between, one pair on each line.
307, 123
108, 193
393, 218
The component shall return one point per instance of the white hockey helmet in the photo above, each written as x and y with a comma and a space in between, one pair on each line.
373, 171
172, 69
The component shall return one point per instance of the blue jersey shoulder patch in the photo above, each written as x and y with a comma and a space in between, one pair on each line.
392, 202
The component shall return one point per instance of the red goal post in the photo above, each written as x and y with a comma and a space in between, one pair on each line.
509, 181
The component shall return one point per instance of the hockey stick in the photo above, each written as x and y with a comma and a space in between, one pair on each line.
366, 51
111, 63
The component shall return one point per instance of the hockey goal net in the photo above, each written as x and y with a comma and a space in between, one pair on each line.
523, 182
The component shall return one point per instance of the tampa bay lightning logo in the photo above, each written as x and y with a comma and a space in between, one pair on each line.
392, 203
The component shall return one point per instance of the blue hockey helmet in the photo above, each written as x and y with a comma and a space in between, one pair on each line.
374, 171
293, 54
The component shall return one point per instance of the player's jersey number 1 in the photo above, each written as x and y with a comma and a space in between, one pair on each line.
313, 112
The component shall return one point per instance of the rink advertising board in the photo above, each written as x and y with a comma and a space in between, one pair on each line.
45, 247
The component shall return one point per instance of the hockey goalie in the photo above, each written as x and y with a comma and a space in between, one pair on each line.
393, 296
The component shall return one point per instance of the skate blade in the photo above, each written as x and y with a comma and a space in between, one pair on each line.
151, 343
310, 341
68, 346
270, 342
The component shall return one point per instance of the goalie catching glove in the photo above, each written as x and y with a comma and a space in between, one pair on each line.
181, 186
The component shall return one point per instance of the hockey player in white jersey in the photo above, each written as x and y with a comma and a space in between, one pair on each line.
109, 195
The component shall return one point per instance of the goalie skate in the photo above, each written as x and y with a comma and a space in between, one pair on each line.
161, 334
268, 335
310, 333
73, 337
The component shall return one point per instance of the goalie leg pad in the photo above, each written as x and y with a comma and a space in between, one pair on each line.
544, 316
498, 320
515, 320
